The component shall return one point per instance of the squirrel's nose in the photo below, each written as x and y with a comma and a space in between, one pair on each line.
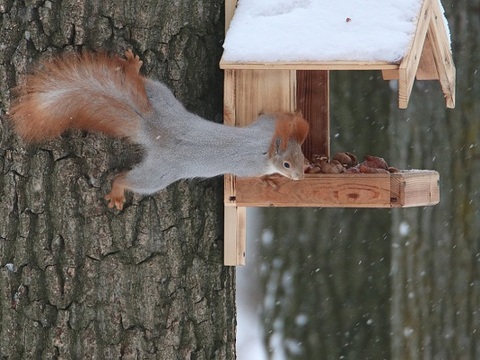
298, 176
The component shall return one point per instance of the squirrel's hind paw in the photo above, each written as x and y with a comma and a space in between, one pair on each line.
115, 201
133, 60
116, 197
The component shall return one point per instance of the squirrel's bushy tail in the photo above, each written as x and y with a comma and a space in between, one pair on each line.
90, 91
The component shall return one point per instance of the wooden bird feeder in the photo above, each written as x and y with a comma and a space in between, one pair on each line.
252, 87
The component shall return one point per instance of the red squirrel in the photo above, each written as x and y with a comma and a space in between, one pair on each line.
105, 93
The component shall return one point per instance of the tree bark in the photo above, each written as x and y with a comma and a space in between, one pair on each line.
80, 281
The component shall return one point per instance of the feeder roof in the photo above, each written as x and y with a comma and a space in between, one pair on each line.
404, 39
332, 30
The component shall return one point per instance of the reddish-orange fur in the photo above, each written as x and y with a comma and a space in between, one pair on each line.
289, 127
70, 91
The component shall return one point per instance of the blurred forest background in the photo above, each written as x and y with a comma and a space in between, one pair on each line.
381, 284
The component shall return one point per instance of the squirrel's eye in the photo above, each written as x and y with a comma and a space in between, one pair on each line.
286, 165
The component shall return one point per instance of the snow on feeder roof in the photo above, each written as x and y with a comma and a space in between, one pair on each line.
333, 30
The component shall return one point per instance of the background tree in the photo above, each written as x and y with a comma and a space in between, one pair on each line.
78, 280
387, 284
436, 251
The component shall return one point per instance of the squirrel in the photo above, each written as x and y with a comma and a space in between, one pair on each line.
105, 93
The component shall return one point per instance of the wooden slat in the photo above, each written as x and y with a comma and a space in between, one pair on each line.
409, 65
390, 74
241, 234
404, 189
230, 235
231, 241
229, 119
313, 100
229, 97
427, 69
313, 65
443, 55
234, 228
260, 91
416, 188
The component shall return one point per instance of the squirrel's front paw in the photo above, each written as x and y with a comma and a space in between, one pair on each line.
269, 181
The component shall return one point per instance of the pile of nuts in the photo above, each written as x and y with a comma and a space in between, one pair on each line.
346, 162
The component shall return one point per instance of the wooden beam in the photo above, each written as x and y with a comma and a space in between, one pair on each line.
390, 74
403, 189
313, 100
261, 91
442, 54
427, 68
409, 65
415, 188
235, 235
318, 65
229, 97
233, 238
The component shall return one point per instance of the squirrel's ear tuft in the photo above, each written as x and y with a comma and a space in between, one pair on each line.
300, 128
288, 127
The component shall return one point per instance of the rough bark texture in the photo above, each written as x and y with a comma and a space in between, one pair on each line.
79, 281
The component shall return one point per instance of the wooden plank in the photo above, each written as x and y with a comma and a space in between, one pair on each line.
404, 189
312, 65
231, 217
443, 55
229, 119
260, 91
415, 188
230, 191
229, 97
427, 69
390, 74
409, 65
230, 233
317, 190
313, 100
234, 228
241, 235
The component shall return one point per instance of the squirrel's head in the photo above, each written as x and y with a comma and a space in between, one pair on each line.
285, 152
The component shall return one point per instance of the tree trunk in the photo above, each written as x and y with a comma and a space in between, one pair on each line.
436, 251
80, 281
